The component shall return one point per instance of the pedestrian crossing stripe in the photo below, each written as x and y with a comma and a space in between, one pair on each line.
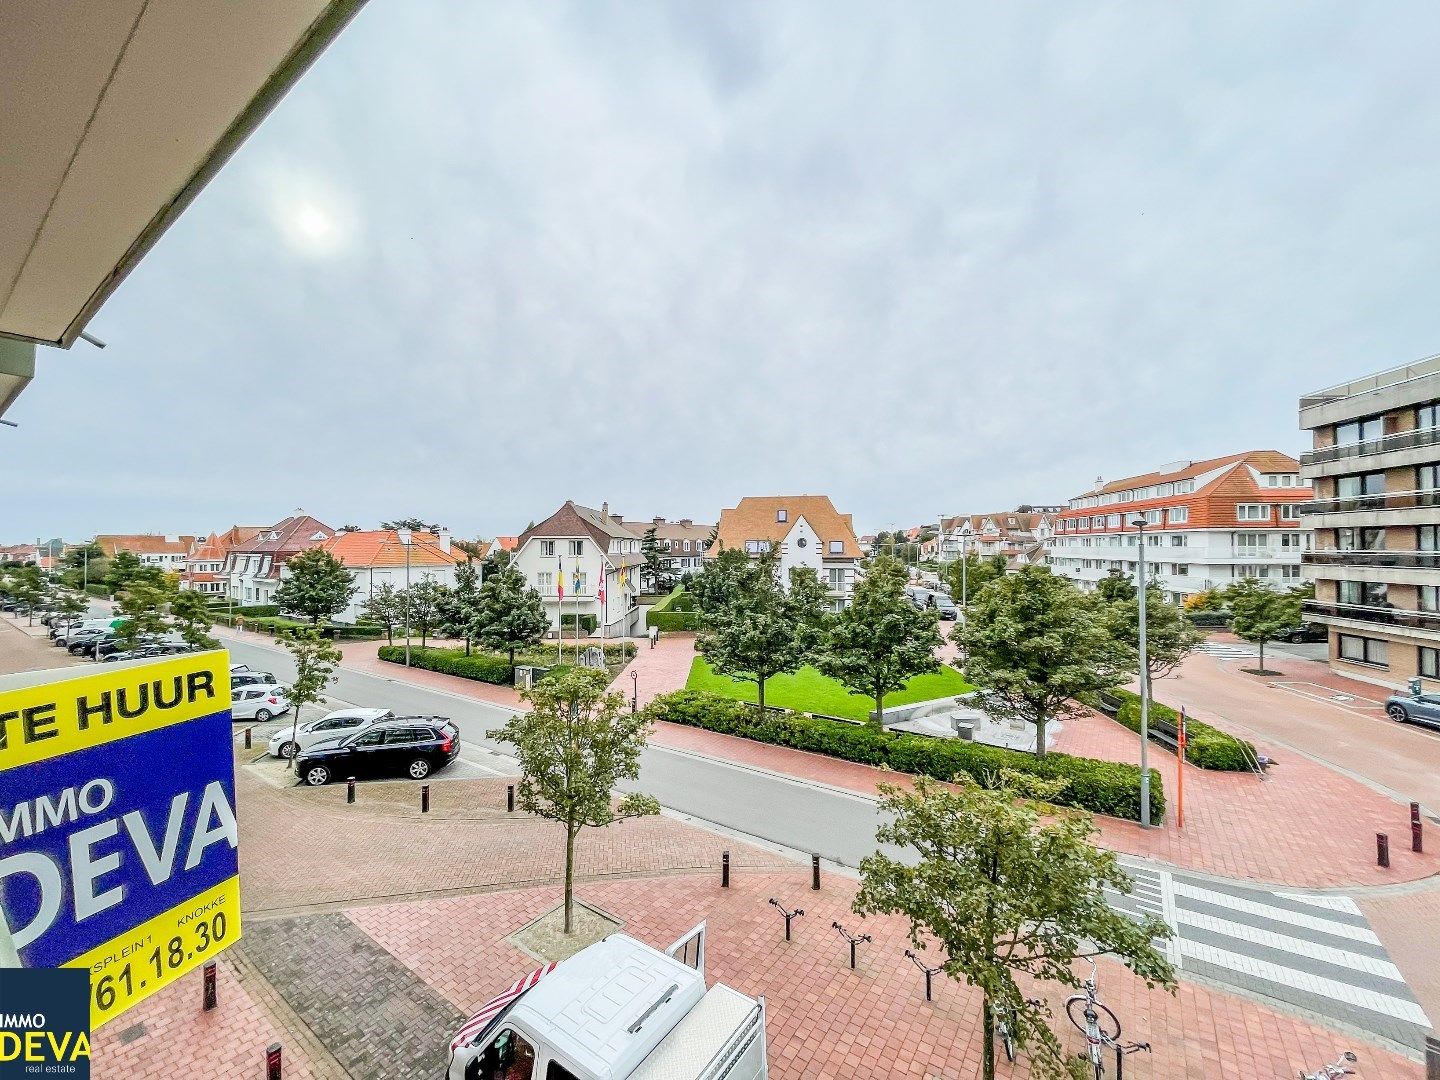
1277, 914
1299, 946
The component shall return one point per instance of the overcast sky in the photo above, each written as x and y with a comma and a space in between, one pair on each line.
921, 258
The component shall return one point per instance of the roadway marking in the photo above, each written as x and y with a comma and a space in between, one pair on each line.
1299, 946
1295, 918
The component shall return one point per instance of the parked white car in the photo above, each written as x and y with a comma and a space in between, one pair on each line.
259, 703
286, 741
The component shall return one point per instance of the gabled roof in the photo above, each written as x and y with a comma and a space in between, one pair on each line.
293, 534
507, 543
572, 519
382, 547
1266, 461
144, 543
755, 518
684, 529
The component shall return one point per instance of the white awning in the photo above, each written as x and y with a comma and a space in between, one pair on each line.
115, 115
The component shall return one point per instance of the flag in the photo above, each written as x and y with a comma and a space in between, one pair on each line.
600, 592
559, 578
575, 579
624, 577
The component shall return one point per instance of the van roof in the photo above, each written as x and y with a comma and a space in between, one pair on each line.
588, 1005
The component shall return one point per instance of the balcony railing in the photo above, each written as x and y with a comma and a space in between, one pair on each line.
1388, 500
1419, 620
1421, 560
1404, 440
1371, 383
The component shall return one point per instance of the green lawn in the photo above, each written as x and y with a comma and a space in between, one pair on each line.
809, 691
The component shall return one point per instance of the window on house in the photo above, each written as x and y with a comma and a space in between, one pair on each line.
1182, 569
1112, 521
1152, 517
1289, 511
1427, 477
1360, 539
579, 581
1362, 650
1428, 662
547, 547
1427, 538
1179, 514
1428, 416
1177, 540
1371, 427
1252, 512
782, 515
836, 578
1290, 571
1363, 593
837, 547
756, 547
1351, 487
1250, 570
1292, 541
577, 547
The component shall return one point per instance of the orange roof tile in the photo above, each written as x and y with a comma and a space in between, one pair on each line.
755, 519
382, 547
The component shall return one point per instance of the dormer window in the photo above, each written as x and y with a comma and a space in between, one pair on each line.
782, 515
837, 547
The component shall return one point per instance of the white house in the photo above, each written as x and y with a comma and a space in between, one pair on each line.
808, 531
376, 558
584, 562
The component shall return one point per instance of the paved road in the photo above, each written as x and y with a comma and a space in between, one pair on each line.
1313, 952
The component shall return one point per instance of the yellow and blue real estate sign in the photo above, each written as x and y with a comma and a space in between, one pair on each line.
118, 842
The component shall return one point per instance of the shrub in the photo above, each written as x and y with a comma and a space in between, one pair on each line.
482, 667
587, 623
1206, 747
675, 612
97, 590
1103, 787
1209, 618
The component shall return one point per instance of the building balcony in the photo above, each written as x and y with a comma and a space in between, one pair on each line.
1388, 500
1409, 384
1404, 440
1418, 560
1365, 613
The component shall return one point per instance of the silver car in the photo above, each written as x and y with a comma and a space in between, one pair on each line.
259, 703
1420, 708
286, 741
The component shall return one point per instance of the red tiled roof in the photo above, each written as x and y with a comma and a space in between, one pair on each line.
382, 547
755, 519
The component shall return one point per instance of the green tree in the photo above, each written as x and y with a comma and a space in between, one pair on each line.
83, 564
764, 630
978, 571
1114, 587
1260, 614
315, 586
461, 604
383, 607
657, 563
575, 746
1033, 642
720, 580
412, 523
881, 641
142, 610
1169, 635
315, 662
72, 605
509, 614
1004, 887
124, 566
422, 604
29, 587
190, 614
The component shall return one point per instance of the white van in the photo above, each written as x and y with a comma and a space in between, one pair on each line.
618, 1010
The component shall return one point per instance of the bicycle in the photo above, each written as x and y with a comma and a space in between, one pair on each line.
1334, 1071
1100, 1026
1003, 1032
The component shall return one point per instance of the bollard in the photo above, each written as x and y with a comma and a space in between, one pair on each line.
350, 790
815, 872
424, 798
724, 869
510, 798
272, 1062
1432, 1058
210, 993
1417, 829
1382, 849
247, 738
788, 915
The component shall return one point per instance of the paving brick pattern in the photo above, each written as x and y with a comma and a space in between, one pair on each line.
829, 1022
372, 1013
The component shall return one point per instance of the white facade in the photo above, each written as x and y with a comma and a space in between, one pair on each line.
1185, 561
543, 559
803, 547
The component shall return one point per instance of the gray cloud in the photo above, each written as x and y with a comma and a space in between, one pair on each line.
487, 257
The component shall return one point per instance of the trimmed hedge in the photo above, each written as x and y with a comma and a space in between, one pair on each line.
1206, 747
482, 667
676, 612
273, 624
587, 623
1102, 787
1209, 619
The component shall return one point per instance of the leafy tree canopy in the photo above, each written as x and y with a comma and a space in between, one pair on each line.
315, 586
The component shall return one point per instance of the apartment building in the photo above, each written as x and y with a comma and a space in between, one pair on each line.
168, 552
205, 562
683, 541
1022, 536
1375, 468
251, 570
584, 562
807, 529
1206, 523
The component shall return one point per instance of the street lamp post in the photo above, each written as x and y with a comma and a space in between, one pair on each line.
1141, 588
403, 535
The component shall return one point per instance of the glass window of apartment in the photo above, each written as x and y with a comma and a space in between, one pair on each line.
1179, 514
547, 547
837, 547
1289, 511
1429, 663
1112, 521
1252, 512
1427, 538
545, 582
1428, 416
1182, 569
1177, 540
1350, 487
1152, 517
1427, 478
577, 547
1292, 541
1290, 572
1363, 593
1360, 539
1362, 650
1371, 427
1252, 540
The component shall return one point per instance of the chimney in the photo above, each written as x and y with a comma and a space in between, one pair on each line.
443, 536
604, 509
686, 523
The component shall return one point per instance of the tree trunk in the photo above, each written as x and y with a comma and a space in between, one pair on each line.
389, 634
1040, 722
569, 880
1262, 656
987, 1056
467, 644
761, 683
